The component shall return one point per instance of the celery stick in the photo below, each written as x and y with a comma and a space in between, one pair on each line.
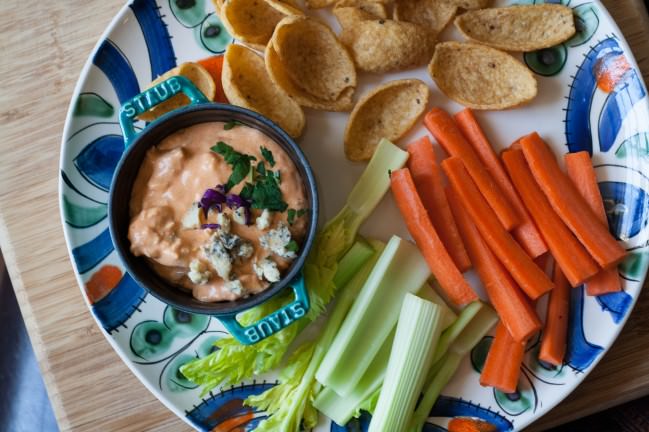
342, 409
371, 187
412, 351
444, 369
401, 269
451, 333
447, 368
352, 261
289, 402
428, 293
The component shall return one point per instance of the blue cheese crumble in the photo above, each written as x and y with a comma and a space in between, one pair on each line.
276, 241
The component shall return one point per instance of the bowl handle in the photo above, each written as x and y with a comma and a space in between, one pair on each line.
155, 96
276, 321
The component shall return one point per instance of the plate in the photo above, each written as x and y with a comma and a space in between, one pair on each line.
148, 37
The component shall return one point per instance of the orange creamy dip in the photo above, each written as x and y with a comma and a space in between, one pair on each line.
173, 177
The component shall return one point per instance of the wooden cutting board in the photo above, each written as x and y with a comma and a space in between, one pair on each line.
42, 50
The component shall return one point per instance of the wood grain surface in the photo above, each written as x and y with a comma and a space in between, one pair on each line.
42, 50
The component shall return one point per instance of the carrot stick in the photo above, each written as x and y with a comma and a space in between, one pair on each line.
573, 259
581, 172
428, 179
214, 66
555, 333
421, 229
526, 232
445, 131
571, 207
529, 277
512, 306
503, 365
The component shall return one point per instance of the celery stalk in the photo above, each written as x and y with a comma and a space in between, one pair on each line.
444, 369
353, 261
342, 409
400, 270
289, 402
428, 293
412, 351
451, 333
447, 368
234, 362
370, 188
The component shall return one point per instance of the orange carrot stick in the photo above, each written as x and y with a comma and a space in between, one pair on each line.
503, 365
581, 172
526, 232
512, 306
214, 66
529, 277
573, 259
571, 207
421, 229
445, 131
555, 333
428, 179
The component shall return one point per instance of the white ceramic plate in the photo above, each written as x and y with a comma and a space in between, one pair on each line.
148, 37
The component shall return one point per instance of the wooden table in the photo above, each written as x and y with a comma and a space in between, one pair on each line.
43, 47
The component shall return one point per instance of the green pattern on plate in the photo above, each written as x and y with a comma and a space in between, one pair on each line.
81, 216
91, 104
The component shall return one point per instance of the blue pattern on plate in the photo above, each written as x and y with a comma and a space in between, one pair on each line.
113, 310
627, 208
98, 160
582, 90
580, 353
616, 303
456, 407
618, 104
227, 405
114, 64
88, 255
158, 41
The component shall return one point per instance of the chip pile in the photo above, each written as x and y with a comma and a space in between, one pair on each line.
287, 60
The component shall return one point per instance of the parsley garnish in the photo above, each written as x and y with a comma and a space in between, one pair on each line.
290, 216
292, 246
231, 124
267, 194
261, 169
268, 155
246, 192
240, 163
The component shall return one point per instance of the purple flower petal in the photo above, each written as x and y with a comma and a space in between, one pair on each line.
210, 226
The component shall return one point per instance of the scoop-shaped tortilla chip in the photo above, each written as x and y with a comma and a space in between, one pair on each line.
247, 84
432, 14
471, 4
253, 21
388, 111
518, 28
481, 77
318, 4
387, 46
349, 12
313, 57
278, 75
196, 74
